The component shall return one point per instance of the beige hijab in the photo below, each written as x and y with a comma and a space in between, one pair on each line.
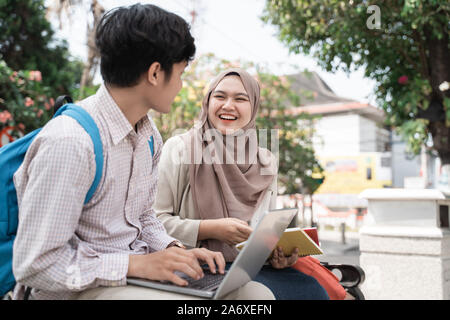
232, 188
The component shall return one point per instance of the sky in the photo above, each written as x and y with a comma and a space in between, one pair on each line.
231, 29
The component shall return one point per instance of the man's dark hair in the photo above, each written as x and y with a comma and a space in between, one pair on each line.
130, 39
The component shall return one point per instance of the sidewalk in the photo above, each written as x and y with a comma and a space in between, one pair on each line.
337, 252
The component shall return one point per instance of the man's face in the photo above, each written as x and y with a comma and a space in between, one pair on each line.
169, 88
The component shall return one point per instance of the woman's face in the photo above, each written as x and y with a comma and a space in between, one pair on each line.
229, 105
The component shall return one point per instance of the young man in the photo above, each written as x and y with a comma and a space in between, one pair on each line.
67, 250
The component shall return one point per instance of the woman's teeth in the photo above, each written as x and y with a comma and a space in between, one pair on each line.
227, 117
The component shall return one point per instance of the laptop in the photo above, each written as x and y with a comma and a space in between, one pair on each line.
245, 267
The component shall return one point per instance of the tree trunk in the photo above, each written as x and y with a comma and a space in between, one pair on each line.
441, 140
93, 58
439, 71
439, 63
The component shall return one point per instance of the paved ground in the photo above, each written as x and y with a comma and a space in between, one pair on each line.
335, 251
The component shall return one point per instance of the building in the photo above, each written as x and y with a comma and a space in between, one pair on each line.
353, 145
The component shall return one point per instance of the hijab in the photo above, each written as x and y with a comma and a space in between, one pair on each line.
221, 185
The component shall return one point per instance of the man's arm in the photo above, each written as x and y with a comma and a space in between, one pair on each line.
48, 254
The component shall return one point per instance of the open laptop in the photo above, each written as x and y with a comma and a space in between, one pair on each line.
245, 267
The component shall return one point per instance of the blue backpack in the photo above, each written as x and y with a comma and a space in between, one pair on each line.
11, 157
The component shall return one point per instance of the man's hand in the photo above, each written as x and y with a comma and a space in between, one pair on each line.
212, 258
161, 265
280, 261
229, 230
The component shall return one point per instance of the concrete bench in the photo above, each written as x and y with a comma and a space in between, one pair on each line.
405, 244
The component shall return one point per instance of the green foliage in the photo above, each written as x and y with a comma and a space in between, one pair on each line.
408, 55
24, 104
298, 168
87, 92
34, 67
413, 131
27, 43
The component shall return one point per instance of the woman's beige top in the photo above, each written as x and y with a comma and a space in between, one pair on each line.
174, 205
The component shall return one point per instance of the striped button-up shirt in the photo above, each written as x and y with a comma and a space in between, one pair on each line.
64, 246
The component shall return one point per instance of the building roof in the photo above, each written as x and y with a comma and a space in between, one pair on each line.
313, 90
316, 97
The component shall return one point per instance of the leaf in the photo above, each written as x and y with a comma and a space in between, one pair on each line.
447, 103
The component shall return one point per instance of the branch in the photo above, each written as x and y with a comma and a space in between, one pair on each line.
408, 58
425, 70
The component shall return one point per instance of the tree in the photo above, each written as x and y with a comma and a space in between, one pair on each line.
403, 45
64, 10
27, 43
34, 68
25, 103
299, 171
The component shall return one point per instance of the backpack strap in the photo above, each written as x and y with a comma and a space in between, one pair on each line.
60, 101
86, 121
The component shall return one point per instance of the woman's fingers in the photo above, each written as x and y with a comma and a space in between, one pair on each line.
244, 230
236, 239
293, 258
276, 253
280, 261
240, 221
275, 260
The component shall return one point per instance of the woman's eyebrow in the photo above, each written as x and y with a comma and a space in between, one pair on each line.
236, 94
243, 94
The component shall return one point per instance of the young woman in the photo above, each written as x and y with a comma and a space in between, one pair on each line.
213, 178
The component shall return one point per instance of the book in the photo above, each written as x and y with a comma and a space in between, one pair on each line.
297, 238
312, 233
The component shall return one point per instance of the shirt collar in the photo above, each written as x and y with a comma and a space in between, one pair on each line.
118, 125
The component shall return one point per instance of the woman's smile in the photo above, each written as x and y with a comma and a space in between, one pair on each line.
229, 106
226, 117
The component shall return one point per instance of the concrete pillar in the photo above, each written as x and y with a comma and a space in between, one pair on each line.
405, 244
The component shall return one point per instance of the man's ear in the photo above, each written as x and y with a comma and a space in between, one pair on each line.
154, 73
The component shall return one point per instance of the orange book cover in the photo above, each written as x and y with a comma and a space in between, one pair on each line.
313, 234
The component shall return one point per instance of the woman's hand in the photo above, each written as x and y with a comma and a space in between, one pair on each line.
280, 261
229, 230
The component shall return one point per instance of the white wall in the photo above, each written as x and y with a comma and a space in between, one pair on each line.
403, 165
337, 135
348, 134
367, 135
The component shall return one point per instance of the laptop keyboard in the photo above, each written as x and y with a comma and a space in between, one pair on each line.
210, 281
